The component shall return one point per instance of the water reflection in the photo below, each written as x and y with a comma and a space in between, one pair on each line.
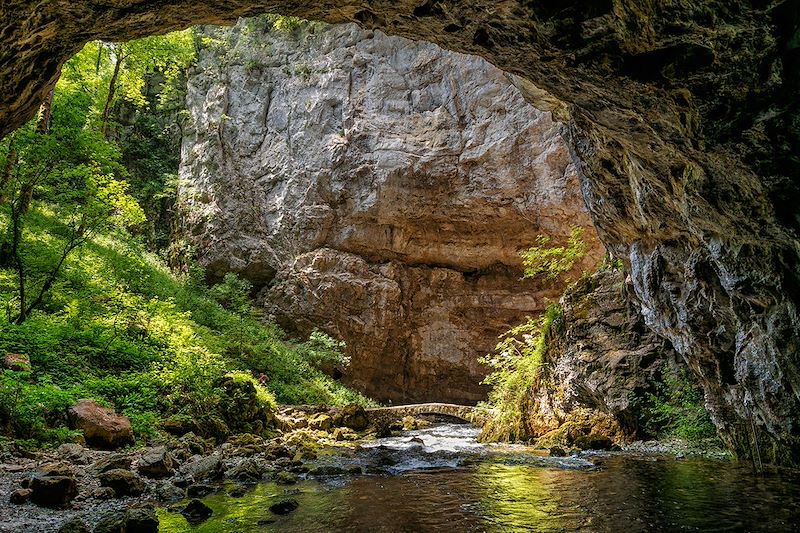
512, 491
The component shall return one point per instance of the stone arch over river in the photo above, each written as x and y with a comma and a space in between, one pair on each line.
684, 118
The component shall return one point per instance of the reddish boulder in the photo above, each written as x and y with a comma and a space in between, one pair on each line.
17, 362
102, 427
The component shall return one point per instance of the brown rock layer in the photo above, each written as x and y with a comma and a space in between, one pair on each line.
379, 189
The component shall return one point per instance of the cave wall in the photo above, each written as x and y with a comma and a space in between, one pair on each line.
601, 358
685, 119
379, 189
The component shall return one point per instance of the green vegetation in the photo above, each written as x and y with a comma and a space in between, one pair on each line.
244, 45
516, 368
675, 408
119, 327
549, 261
519, 358
92, 304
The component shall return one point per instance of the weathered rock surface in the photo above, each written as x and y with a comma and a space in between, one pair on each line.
141, 520
196, 512
381, 189
17, 362
601, 355
156, 463
53, 491
684, 116
20, 496
101, 427
124, 482
75, 525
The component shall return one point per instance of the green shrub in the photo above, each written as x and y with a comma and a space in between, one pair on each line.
35, 411
323, 351
121, 328
517, 361
674, 408
264, 396
233, 294
517, 368
550, 261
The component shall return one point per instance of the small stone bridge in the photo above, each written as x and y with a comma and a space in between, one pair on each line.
467, 413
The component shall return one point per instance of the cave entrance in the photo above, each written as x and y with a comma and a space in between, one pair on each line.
379, 189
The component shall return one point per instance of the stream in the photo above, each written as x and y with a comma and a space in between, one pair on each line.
442, 479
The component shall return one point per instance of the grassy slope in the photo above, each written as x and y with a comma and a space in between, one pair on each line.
120, 328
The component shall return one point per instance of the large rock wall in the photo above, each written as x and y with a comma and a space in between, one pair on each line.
600, 356
379, 189
684, 114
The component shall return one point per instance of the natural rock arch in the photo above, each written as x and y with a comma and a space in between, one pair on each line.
684, 118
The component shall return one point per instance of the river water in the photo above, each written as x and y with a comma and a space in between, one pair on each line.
441, 479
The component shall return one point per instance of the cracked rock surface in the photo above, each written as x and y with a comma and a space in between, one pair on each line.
379, 189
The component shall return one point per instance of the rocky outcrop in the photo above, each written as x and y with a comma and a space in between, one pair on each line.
53, 490
683, 114
101, 427
17, 362
600, 356
156, 463
123, 482
378, 189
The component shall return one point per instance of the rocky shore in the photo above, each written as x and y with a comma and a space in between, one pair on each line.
77, 489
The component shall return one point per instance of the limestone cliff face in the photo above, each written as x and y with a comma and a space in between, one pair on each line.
379, 189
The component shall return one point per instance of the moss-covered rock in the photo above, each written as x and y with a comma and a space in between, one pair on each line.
352, 416
246, 406
583, 429
321, 422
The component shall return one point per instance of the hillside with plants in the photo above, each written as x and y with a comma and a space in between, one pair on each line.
89, 305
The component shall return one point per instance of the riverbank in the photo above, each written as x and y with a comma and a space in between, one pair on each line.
316, 445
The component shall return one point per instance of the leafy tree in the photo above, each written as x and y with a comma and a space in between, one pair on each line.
550, 261
126, 67
59, 161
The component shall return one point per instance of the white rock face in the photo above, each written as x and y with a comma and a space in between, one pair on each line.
379, 189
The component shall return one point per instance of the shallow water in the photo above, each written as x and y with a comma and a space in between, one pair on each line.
450, 483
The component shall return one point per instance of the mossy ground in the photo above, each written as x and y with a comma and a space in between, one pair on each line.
119, 327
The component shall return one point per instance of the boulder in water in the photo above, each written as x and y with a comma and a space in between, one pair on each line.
111, 522
20, 496
196, 512
156, 463
124, 482
76, 525
141, 520
53, 491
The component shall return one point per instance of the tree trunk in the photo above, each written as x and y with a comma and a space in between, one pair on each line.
8, 168
16, 234
112, 88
